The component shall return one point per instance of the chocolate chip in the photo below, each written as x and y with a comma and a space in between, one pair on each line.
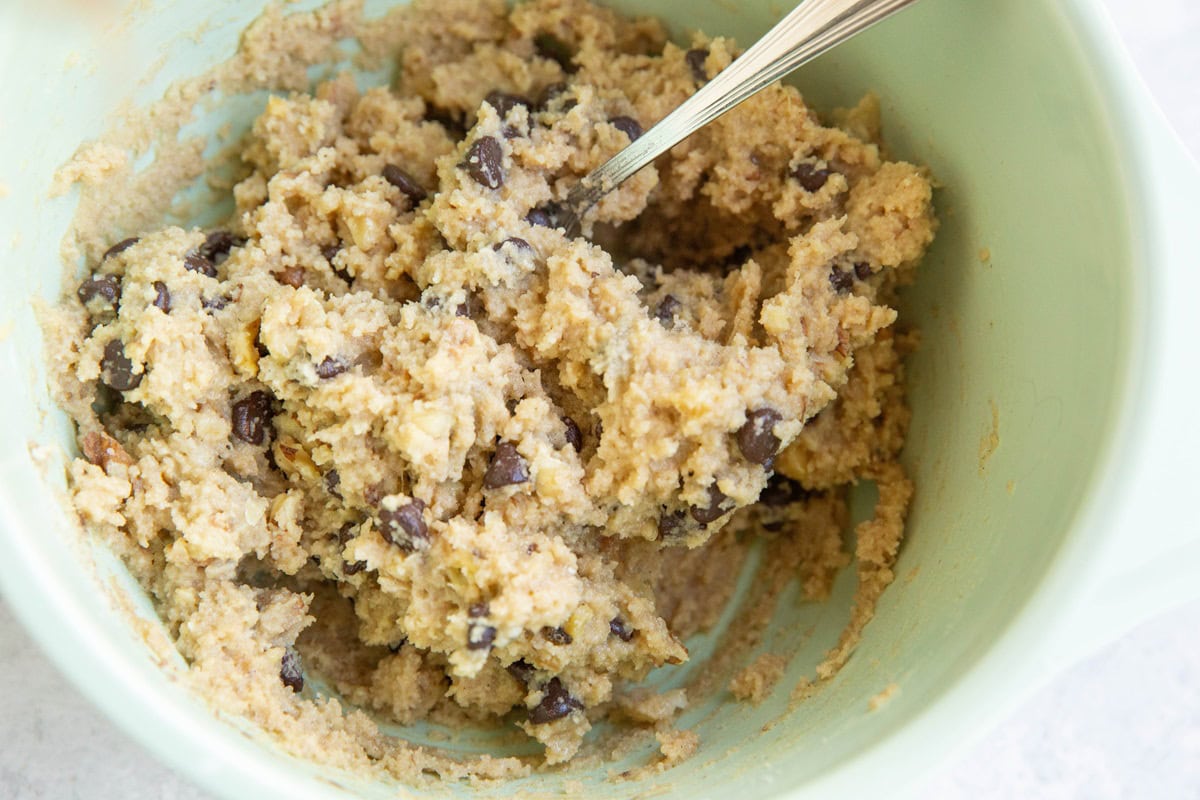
485, 162
516, 243
620, 628
556, 703
329, 252
696, 59
504, 102
346, 532
862, 270
162, 297
291, 276
507, 467
667, 309
330, 368
841, 280
353, 567
714, 511
119, 247
782, 492
405, 526
290, 671
550, 46
672, 525
545, 217
477, 610
332, 481
557, 636
756, 438
550, 92
194, 262
217, 245
214, 303
373, 494
573, 434
810, 177
511, 133
522, 670
252, 417
406, 183
480, 636
628, 126
116, 370
105, 287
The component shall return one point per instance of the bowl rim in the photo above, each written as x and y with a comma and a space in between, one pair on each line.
1004, 673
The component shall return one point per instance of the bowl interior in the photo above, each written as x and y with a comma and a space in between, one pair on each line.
1023, 304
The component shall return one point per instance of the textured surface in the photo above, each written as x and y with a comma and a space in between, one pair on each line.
1125, 723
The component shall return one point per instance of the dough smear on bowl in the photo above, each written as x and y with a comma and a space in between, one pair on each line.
389, 428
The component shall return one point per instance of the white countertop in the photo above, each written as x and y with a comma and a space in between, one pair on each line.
1123, 724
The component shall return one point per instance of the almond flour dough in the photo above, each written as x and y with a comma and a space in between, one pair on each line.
391, 428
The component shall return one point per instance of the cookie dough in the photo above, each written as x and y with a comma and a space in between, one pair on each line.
389, 427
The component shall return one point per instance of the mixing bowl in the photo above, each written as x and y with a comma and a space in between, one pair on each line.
1051, 441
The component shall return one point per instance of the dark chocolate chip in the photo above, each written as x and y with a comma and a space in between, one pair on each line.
330, 368
214, 303
556, 636
405, 527
522, 670
508, 467
333, 480
162, 297
756, 438
485, 162
841, 280
217, 246
116, 370
480, 636
862, 270
620, 628
291, 276
511, 132
545, 216
628, 126
550, 92
696, 59
477, 610
556, 703
573, 434
373, 494
353, 567
810, 177
406, 183
252, 417
667, 309
329, 252
346, 532
194, 262
119, 247
550, 46
516, 243
504, 102
290, 671
105, 287
782, 492
672, 525
715, 510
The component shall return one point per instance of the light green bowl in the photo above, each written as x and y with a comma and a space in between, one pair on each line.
1073, 342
